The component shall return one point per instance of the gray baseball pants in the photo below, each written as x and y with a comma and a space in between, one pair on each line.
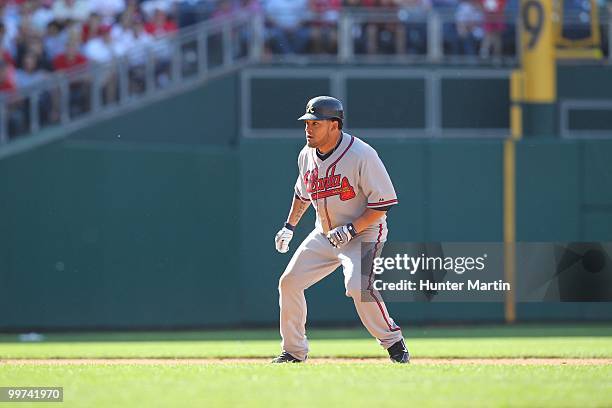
316, 258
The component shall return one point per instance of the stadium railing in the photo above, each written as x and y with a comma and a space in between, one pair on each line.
215, 47
169, 65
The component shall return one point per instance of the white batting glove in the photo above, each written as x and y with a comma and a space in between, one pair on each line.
282, 239
340, 236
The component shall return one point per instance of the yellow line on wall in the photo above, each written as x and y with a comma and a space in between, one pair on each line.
509, 228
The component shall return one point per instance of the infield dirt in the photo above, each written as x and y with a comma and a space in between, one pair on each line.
205, 361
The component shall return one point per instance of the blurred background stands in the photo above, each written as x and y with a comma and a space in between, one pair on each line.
64, 59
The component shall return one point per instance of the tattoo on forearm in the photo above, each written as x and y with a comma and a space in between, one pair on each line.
299, 208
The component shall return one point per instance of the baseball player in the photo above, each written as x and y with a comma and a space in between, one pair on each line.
345, 181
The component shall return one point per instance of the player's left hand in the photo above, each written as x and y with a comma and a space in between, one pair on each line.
340, 236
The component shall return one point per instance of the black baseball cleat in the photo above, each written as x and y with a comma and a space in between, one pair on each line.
286, 358
398, 353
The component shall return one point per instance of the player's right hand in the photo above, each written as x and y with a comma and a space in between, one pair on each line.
282, 239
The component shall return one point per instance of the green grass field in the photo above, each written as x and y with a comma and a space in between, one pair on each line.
372, 383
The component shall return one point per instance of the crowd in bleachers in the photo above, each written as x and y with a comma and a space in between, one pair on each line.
41, 36
471, 27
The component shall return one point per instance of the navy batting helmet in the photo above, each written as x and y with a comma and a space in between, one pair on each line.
323, 108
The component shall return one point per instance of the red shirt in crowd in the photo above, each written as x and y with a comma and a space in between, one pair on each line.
494, 15
168, 26
87, 34
325, 11
63, 62
6, 56
7, 84
321, 6
7, 77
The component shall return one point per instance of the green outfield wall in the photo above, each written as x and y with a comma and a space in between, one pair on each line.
587, 83
159, 228
103, 237
584, 81
126, 236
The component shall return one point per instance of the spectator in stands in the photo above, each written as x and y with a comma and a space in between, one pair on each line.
160, 25
30, 72
372, 30
35, 46
167, 6
9, 16
468, 21
384, 37
64, 10
25, 10
324, 33
132, 7
29, 39
91, 28
414, 13
123, 34
16, 106
55, 40
287, 30
42, 14
243, 35
444, 5
107, 9
7, 78
140, 45
250, 5
225, 8
161, 28
352, 4
25, 35
193, 11
357, 30
4, 51
72, 60
101, 50
494, 27
122, 29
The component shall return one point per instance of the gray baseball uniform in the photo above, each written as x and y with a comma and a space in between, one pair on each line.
340, 188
